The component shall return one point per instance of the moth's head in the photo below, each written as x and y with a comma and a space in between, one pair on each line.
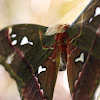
57, 29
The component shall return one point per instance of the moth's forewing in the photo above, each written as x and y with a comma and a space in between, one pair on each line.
85, 35
87, 24
23, 48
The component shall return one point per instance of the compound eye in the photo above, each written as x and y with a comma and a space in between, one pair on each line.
56, 29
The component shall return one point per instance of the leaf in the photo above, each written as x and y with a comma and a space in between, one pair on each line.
22, 59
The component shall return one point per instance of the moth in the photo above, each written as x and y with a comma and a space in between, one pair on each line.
33, 55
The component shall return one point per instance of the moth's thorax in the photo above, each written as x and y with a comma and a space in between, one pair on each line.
62, 36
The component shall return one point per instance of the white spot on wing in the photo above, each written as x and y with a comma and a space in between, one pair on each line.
25, 41
90, 20
13, 35
14, 42
31, 43
97, 12
40, 69
81, 58
10, 58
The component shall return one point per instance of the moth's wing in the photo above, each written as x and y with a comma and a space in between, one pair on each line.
74, 66
83, 74
22, 52
86, 27
85, 32
88, 13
